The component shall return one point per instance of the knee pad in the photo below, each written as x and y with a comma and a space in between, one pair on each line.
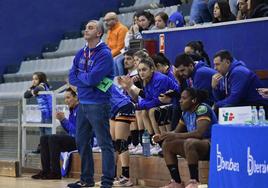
121, 146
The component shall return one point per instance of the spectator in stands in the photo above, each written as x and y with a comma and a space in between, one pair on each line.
263, 92
176, 19
190, 139
196, 48
199, 12
235, 84
258, 8
132, 30
123, 115
222, 12
161, 20
154, 84
116, 33
40, 83
198, 74
53, 145
92, 70
242, 10
232, 4
145, 22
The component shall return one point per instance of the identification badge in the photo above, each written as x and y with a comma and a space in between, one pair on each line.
105, 84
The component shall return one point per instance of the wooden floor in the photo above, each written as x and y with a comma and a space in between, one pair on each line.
26, 182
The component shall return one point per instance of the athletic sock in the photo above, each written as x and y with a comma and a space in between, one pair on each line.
193, 168
125, 171
174, 172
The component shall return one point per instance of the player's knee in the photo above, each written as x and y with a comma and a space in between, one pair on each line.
121, 145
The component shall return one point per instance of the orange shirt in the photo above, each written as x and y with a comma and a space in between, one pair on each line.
115, 38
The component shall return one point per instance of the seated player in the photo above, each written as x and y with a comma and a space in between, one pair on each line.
190, 139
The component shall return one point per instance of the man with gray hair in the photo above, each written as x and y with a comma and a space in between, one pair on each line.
116, 33
92, 74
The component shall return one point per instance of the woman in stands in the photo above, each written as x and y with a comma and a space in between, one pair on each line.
145, 22
222, 12
242, 13
161, 20
196, 49
190, 139
258, 8
122, 115
154, 84
53, 145
40, 83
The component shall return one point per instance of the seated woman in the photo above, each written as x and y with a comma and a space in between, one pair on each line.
154, 84
222, 12
197, 51
191, 138
52, 145
167, 116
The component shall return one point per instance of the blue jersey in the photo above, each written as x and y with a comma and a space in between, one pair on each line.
45, 103
203, 111
69, 125
118, 99
158, 84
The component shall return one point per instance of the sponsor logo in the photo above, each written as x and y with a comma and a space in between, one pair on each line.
227, 165
228, 116
253, 167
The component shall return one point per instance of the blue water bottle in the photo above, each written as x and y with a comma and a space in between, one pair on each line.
146, 142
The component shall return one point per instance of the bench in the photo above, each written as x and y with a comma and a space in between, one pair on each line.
145, 171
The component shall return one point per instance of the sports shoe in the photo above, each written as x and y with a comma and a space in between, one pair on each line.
96, 149
52, 176
155, 149
39, 175
80, 184
192, 184
123, 182
138, 150
173, 184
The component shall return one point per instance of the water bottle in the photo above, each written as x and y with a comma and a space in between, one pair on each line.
146, 143
254, 115
262, 120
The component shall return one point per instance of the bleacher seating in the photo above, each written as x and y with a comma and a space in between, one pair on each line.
55, 69
141, 5
14, 89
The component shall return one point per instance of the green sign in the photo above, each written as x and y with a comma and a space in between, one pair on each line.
105, 84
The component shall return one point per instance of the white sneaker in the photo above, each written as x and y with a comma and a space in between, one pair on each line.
96, 149
131, 147
155, 149
138, 150
123, 182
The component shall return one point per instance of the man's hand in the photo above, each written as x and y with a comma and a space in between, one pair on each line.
60, 116
215, 80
